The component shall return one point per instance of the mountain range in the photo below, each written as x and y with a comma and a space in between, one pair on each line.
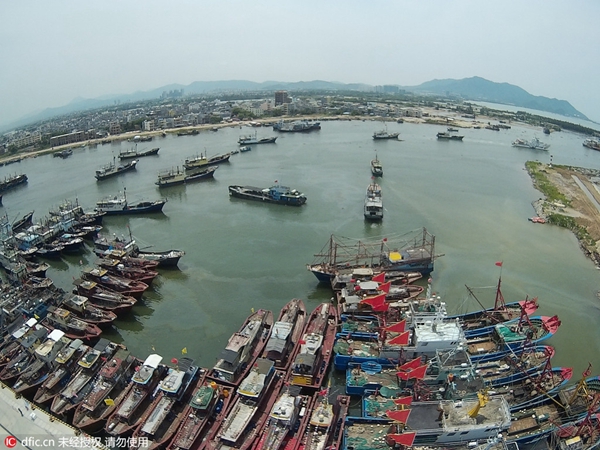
474, 88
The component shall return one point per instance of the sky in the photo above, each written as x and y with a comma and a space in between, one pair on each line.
52, 52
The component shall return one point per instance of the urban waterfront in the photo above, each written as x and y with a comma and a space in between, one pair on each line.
474, 196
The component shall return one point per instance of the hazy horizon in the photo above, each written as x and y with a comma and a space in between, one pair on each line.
54, 53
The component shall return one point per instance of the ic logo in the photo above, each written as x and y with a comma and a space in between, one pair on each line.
10, 441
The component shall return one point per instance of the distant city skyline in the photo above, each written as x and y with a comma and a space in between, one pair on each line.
54, 52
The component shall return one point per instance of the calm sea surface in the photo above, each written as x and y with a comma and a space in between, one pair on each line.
474, 196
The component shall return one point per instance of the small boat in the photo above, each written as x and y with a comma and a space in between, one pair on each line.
118, 205
537, 219
12, 181
592, 143
373, 209
245, 148
444, 135
133, 153
112, 169
534, 144
281, 195
244, 346
452, 130
134, 400
376, 167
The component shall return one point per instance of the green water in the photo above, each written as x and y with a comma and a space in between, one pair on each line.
474, 196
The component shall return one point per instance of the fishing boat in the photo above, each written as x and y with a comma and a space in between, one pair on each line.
104, 298
286, 334
89, 414
384, 134
24, 355
133, 153
297, 126
255, 397
123, 270
162, 418
243, 348
592, 143
434, 423
124, 286
253, 139
316, 348
23, 223
281, 195
202, 174
65, 364
219, 159
570, 405
168, 258
206, 408
134, 400
322, 421
87, 312
376, 167
113, 169
286, 421
70, 324
63, 153
195, 162
118, 205
413, 251
534, 144
445, 136
373, 209
171, 177
12, 181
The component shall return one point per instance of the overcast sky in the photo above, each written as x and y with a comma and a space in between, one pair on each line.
54, 51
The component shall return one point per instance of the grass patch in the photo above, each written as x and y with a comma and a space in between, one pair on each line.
542, 184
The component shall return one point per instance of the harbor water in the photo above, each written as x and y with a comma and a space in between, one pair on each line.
474, 196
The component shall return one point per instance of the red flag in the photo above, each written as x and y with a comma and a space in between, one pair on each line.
401, 339
499, 263
418, 373
385, 287
397, 327
406, 439
379, 278
382, 307
375, 300
399, 416
407, 401
323, 392
301, 342
410, 365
